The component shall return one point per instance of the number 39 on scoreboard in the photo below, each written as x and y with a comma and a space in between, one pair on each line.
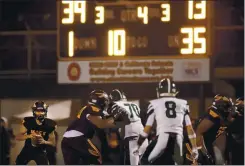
143, 29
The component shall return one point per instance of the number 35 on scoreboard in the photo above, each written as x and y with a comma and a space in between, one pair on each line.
193, 38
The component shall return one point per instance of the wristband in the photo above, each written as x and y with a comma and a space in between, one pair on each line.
192, 136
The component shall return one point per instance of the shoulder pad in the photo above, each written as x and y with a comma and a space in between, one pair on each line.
95, 109
213, 114
51, 122
27, 119
80, 112
183, 101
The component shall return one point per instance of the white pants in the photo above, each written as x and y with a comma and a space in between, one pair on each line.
162, 143
132, 147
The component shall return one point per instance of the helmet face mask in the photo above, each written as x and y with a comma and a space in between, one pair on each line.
40, 110
239, 106
40, 114
99, 98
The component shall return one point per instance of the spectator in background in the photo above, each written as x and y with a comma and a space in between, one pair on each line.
52, 150
5, 145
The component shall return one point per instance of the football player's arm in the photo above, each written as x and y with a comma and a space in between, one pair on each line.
191, 135
204, 126
22, 133
101, 123
51, 140
148, 125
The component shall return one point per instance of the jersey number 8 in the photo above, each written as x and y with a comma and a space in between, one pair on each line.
170, 109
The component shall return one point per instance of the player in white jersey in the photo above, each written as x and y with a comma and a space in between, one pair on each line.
170, 113
132, 130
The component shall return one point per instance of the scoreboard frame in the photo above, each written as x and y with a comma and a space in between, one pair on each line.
209, 32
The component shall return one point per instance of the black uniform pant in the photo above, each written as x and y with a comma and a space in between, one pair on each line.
31, 153
80, 151
51, 155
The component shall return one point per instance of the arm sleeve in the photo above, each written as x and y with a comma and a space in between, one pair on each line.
25, 122
150, 115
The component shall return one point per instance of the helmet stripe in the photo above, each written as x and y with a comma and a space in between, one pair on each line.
169, 84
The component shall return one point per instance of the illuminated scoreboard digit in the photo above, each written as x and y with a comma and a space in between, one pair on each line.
88, 29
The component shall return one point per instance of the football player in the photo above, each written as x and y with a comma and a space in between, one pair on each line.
212, 126
169, 113
37, 131
132, 130
236, 134
76, 145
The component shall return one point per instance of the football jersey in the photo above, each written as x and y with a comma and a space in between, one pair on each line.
47, 127
82, 124
169, 113
133, 111
216, 130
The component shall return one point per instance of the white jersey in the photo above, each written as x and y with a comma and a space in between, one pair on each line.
169, 113
135, 126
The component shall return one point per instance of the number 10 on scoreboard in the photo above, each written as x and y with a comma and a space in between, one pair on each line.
116, 43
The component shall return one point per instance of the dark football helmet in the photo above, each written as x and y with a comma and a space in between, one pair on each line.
166, 87
117, 95
239, 105
99, 98
40, 110
223, 105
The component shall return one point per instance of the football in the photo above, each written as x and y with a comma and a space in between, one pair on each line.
34, 140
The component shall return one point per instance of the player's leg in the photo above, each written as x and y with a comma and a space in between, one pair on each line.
144, 158
126, 151
159, 148
143, 147
70, 155
178, 150
24, 157
51, 158
41, 158
94, 153
134, 157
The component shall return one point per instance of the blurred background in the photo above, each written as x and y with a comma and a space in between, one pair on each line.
28, 66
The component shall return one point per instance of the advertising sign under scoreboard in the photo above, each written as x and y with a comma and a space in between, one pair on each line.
130, 71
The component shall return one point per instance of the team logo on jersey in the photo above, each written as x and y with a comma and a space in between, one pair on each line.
42, 133
73, 71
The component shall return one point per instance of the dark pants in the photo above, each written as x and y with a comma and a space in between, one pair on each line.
237, 152
80, 151
51, 157
30, 153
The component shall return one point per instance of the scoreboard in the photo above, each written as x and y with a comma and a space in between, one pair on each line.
132, 29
